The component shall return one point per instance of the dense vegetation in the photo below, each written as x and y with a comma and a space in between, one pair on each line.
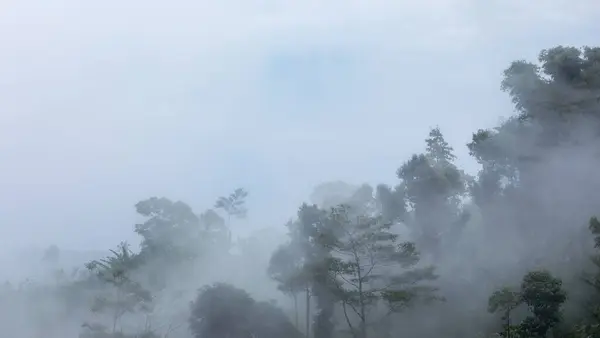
512, 251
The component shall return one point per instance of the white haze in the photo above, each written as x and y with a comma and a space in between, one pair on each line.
106, 103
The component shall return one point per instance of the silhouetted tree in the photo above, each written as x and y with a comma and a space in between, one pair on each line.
369, 266
221, 310
118, 294
542, 294
433, 188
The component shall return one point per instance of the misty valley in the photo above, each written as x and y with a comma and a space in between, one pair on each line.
511, 251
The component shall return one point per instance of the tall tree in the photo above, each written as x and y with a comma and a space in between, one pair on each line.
302, 264
438, 150
563, 90
119, 294
524, 158
505, 301
171, 230
286, 267
544, 296
233, 205
305, 233
433, 188
370, 266
558, 102
172, 236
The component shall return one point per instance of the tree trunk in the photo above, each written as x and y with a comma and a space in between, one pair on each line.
295, 296
363, 319
361, 298
307, 312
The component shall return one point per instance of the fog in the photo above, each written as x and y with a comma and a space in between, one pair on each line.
106, 104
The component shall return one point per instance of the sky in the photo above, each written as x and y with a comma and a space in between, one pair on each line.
105, 103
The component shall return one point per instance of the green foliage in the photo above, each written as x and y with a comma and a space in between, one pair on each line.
221, 310
432, 175
438, 150
558, 101
504, 300
370, 266
564, 85
171, 231
590, 326
301, 265
433, 188
554, 98
286, 267
234, 204
594, 226
114, 269
543, 295
118, 293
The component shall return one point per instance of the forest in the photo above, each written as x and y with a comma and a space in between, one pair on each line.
513, 251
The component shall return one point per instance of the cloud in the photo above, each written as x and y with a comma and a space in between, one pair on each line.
107, 102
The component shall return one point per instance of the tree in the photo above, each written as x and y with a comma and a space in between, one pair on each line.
438, 150
543, 295
171, 231
391, 202
505, 301
306, 233
172, 235
558, 103
272, 322
301, 265
561, 92
233, 205
591, 325
221, 310
433, 188
119, 293
527, 160
285, 267
370, 266
216, 231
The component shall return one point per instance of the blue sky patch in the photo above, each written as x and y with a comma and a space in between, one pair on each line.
313, 77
